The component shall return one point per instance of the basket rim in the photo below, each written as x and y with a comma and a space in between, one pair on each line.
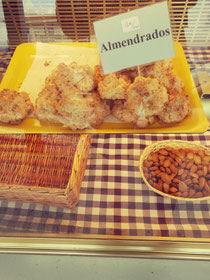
156, 144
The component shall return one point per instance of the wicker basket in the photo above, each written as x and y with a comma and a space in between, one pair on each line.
177, 144
45, 169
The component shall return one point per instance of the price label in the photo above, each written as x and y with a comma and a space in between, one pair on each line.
134, 38
130, 24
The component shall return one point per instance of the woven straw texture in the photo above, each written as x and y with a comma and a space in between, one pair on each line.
43, 168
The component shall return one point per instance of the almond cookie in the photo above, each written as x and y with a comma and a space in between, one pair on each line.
176, 109
71, 107
72, 75
145, 98
14, 106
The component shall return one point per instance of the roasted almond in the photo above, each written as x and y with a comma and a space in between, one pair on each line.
207, 188
181, 153
166, 187
201, 153
184, 175
154, 168
176, 180
174, 169
161, 158
172, 155
198, 195
150, 181
206, 193
185, 194
165, 178
197, 159
152, 174
200, 166
166, 163
196, 186
160, 183
189, 164
158, 187
194, 175
188, 181
205, 170
163, 152
191, 192
193, 168
146, 175
178, 160
154, 179
173, 189
176, 164
149, 157
206, 158
183, 164
146, 163
200, 173
162, 169
157, 172
195, 180
181, 171
156, 163
183, 187
176, 194
201, 182
154, 157
190, 155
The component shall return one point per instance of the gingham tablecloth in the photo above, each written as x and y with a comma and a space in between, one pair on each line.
199, 62
197, 57
114, 200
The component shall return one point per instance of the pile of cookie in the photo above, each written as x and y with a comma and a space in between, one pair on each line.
79, 97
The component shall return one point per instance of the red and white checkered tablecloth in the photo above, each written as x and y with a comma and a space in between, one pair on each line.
114, 200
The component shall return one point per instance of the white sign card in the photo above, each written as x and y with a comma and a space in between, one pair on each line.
137, 37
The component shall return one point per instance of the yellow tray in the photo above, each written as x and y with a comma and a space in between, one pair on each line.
23, 58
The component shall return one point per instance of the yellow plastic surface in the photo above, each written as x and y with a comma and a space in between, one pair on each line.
22, 59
